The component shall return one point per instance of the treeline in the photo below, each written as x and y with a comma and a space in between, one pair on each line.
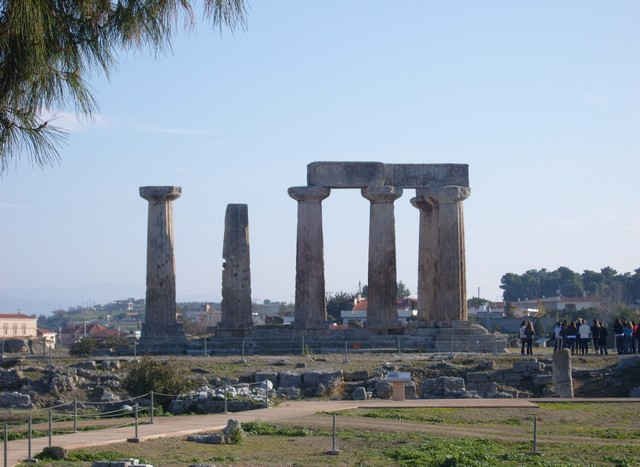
608, 284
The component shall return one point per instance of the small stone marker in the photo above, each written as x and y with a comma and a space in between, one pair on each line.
562, 380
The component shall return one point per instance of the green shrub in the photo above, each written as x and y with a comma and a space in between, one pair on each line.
52, 453
166, 377
263, 428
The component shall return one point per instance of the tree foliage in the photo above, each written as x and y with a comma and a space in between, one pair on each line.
166, 377
607, 284
338, 302
48, 48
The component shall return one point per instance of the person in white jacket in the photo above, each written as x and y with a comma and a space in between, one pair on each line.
584, 333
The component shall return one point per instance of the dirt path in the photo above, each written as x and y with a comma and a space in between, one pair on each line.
293, 411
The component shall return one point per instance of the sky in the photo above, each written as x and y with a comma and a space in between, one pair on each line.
541, 100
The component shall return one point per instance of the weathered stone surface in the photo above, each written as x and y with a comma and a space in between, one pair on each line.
123, 463
410, 390
443, 386
382, 310
359, 394
635, 392
86, 365
11, 378
160, 300
233, 432
288, 379
290, 392
345, 174
426, 175
266, 376
562, 379
383, 389
310, 307
236, 273
361, 174
15, 400
357, 375
628, 361
442, 264
528, 366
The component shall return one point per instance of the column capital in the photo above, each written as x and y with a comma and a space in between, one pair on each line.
444, 195
309, 193
423, 203
160, 193
382, 193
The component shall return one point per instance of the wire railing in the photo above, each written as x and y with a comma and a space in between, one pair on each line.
75, 416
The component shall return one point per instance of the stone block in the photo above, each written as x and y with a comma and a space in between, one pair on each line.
287, 379
358, 375
410, 391
635, 392
289, 392
426, 175
562, 378
15, 400
542, 380
528, 367
345, 174
628, 361
383, 389
443, 386
359, 394
266, 375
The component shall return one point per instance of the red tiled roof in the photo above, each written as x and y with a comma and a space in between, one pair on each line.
361, 305
16, 316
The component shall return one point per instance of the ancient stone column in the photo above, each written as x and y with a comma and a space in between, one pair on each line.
236, 273
310, 307
562, 377
428, 257
382, 311
160, 302
452, 265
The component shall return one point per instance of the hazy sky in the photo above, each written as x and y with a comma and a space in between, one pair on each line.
542, 101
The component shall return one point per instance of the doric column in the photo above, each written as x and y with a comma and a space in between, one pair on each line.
160, 303
453, 274
428, 256
310, 307
236, 270
382, 311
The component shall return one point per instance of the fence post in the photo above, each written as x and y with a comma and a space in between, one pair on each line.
135, 438
346, 352
266, 395
75, 415
205, 346
226, 407
5, 446
244, 359
152, 405
29, 437
535, 434
334, 447
50, 426
302, 349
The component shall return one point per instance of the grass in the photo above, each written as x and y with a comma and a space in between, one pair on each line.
277, 445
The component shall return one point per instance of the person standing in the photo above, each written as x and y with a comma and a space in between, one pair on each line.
529, 332
636, 338
584, 332
627, 330
572, 337
595, 329
557, 336
602, 338
523, 337
618, 335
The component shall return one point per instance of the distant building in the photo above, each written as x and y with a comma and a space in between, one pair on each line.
18, 325
77, 332
552, 304
407, 310
48, 338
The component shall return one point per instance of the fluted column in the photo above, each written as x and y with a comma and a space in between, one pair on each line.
453, 274
160, 301
382, 311
236, 270
310, 307
428, 256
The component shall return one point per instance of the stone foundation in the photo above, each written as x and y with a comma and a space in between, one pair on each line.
459, 336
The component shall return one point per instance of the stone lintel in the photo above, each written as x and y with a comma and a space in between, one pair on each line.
362, 174
345, 174
426, 175
160, 193
309, 193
